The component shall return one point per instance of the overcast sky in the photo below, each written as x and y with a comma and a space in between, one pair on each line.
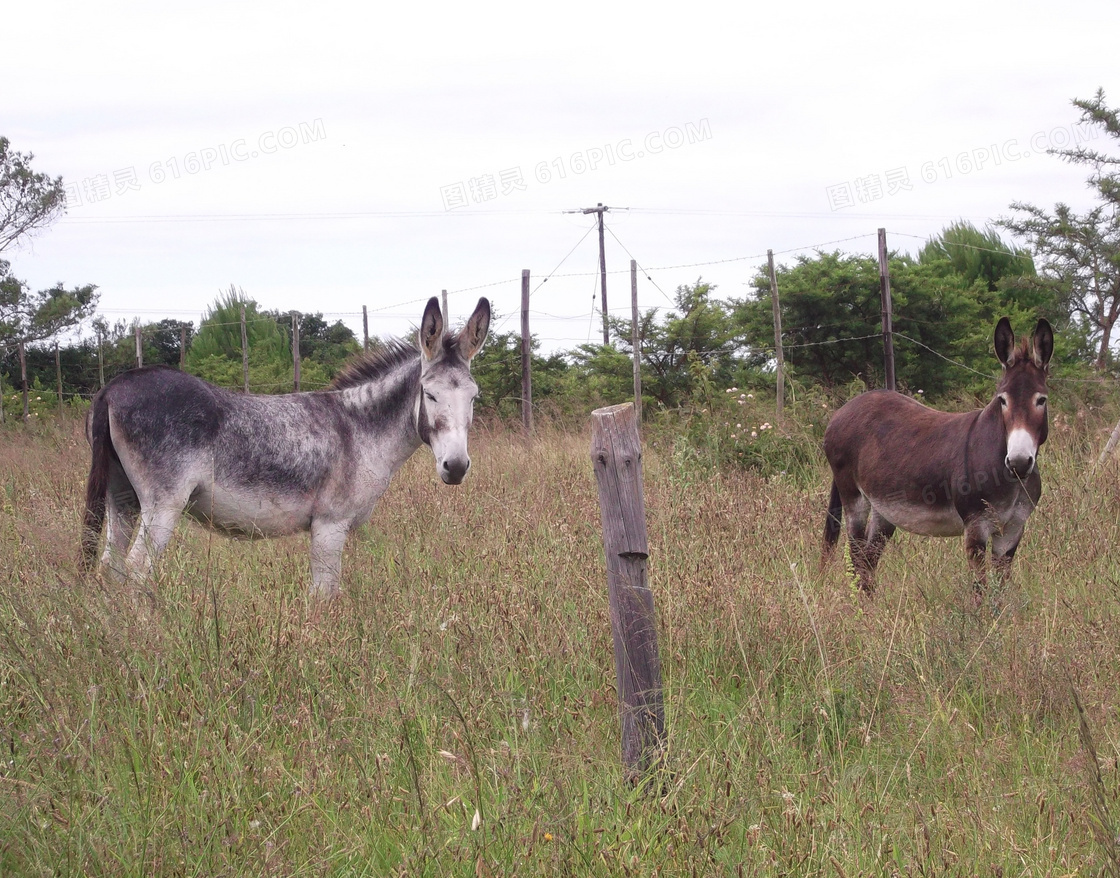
327, 156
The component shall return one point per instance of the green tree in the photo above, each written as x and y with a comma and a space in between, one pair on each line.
1103, 178
215, 354
327, 344
1079, 253
30, 317
28, 200
984, 257
831, 318
163, 340
696, 341
219, 333
1000, 277
497, 371
600, 375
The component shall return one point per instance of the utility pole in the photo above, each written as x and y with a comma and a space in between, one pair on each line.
601, 209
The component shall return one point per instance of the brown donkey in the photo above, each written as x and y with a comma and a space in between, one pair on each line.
897, 463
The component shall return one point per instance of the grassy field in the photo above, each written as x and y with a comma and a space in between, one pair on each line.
454, 712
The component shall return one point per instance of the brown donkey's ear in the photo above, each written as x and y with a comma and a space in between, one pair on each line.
1005, 342
431, 330
1042, 347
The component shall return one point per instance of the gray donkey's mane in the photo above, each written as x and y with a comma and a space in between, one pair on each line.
375, 363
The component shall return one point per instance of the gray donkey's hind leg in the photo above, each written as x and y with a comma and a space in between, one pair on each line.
122, 508
157, 525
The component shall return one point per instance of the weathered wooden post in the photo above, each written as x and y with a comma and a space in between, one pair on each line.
295, 352
636, 343
526, 361
23, 380
244, 351
1109, 446
616, 455
779, 358
888, 317
58, 374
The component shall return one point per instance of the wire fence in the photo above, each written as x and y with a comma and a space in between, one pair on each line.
406, 309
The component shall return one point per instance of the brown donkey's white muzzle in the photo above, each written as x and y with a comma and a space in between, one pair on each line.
1022, 452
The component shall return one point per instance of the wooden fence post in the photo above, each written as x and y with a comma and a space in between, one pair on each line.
779, 358
636, 343
295, 350
1109, 446
23, 379
616, 455
365, 329
526, 360
139, 347
100, 362
244, 351
58, 374
182, 346
443, 302
888, 318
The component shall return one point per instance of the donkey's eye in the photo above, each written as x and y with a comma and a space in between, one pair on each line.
1041, 402
429, 396
1002, 401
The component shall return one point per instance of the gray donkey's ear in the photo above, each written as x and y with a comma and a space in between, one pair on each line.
474, 333
431, 330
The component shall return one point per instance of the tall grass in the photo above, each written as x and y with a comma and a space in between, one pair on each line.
455, 712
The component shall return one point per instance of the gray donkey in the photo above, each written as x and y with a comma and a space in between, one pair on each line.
164, 442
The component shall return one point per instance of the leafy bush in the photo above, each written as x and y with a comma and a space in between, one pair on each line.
739, 429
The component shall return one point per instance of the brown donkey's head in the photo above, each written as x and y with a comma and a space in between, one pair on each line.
1022, 393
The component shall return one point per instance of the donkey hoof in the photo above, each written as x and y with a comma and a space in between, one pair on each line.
324, 593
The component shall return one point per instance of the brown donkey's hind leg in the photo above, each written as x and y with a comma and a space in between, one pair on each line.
867, 544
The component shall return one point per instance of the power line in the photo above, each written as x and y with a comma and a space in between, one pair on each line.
644, 272
550, 274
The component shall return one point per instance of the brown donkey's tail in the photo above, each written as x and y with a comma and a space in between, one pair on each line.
832, 522
101, 446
